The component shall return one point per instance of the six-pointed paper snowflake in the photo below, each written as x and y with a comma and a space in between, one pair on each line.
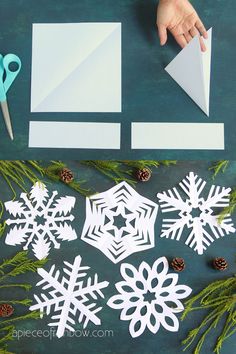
71, 297
132, 232
40, 221
149, 297
196, 213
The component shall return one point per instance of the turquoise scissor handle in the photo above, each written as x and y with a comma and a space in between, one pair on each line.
10, 75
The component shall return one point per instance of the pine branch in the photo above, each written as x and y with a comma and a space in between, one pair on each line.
22, 286
8, 336
52, 172
27, 266
230, 208
29, 315
2, 224
219, 299
18, 172
113, 170
25, 302
19, 258
18, 264
4, 351
219, 166
140, 164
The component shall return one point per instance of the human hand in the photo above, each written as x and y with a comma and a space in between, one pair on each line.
181, 19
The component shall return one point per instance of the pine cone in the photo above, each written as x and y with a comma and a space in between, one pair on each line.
144, 174
178, 264
220, 263
66, 175
6, 310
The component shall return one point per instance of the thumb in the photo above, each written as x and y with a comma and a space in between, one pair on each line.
162, 31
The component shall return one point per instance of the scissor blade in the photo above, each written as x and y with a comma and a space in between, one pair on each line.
7, 118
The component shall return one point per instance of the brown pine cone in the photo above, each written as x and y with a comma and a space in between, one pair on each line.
220, 263
66, 175
144, 174
178, 264
6, 310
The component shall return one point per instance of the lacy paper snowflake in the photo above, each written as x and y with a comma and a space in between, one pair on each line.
40, 221
149, 297
196, 213
119, 222
71, 297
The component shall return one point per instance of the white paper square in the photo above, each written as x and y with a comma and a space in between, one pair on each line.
76, 67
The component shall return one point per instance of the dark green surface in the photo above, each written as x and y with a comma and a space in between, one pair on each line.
197, 274
149, 94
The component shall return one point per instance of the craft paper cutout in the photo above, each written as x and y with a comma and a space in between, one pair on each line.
74, 135
76, 67
118, 242
188, 136
149, 297
196, 213
71, 297
191, 69
40, 221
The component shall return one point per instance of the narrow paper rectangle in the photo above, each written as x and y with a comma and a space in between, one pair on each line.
74, 135
187, 136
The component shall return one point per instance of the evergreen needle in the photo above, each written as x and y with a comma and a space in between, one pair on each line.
219, 299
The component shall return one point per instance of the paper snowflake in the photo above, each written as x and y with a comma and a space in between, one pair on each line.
40, 221
119, 222
71, 297
149, 297
196, 213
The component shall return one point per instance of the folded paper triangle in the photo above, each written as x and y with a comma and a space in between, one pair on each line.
191, 69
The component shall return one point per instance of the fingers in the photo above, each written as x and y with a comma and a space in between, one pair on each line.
194, 32
202, 44
201, 28
188, 37
181, 40
162, 31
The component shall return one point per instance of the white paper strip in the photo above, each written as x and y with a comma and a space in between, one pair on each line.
74, 135
188, 136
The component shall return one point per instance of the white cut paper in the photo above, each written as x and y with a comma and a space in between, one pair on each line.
70, 296
76, 67
40, 221
191, 69
74, 135
196, 213
136, 232
188, 136
149, 297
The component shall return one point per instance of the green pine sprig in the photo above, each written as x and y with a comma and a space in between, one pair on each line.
124, 170
52, 172
219, 166
18, 172
229, 210
12, 267
113, 170
219, 300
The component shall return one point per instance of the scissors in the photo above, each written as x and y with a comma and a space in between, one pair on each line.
7, 76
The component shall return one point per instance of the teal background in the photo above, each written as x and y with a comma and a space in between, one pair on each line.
198, 272
149, 94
